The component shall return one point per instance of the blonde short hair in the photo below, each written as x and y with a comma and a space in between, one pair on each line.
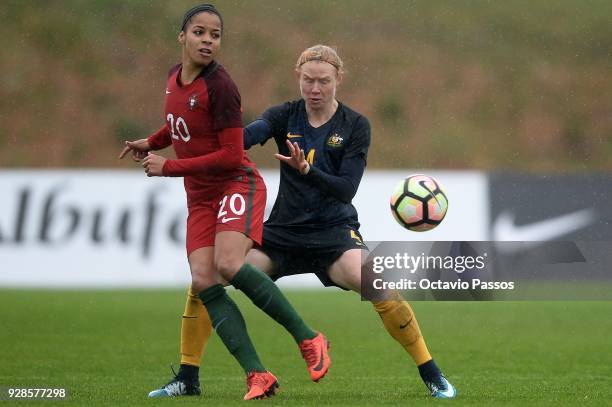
321, 53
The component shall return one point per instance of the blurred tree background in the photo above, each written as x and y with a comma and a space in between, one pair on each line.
518, 85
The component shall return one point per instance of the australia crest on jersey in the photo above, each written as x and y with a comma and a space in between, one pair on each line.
193, 101
335, 140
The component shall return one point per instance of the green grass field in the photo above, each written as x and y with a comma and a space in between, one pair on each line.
112, 347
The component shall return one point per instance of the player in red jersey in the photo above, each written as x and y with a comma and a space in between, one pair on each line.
313, 227
226, 200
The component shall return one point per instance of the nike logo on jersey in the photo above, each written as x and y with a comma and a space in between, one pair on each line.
168, 92
289, 135
225, 220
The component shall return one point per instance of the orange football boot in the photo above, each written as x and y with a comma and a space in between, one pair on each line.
260, 385
314, 352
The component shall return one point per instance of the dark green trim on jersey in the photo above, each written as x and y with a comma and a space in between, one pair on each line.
251, 178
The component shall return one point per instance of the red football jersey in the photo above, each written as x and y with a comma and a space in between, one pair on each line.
198, 116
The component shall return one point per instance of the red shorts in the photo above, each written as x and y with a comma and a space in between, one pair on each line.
240, 208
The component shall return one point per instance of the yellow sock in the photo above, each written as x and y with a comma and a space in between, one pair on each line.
402, 325
195, 330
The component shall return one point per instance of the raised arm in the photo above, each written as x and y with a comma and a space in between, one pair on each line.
257, 132
344, 185
227, 157
139, 148
160, 139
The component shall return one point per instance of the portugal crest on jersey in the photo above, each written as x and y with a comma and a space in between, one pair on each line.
193, 102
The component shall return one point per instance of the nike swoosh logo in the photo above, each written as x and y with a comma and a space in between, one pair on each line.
504, 228
225, 220
289, 135
448, 393
450, 390
219, 323
320, 365
168, 92
406, 324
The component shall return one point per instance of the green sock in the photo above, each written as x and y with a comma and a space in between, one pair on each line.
266, 295
231, 328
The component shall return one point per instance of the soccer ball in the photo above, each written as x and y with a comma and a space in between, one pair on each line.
419, 203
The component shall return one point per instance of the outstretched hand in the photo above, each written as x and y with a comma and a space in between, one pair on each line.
139, 149
297, 159
154, 165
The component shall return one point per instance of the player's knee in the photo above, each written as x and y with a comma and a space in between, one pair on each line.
228, 267
198, 283
201, 278
261, 261
347, 278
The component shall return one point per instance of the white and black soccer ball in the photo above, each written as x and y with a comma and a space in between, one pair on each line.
419, 203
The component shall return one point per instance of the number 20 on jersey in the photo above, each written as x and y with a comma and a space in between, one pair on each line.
178, 128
